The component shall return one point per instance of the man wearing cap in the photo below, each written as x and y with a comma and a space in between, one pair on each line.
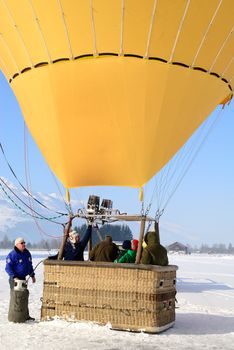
19, 264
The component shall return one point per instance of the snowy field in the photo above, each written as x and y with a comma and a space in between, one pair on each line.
204, 317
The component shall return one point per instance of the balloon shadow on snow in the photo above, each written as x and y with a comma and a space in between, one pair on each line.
196, 323
187, 285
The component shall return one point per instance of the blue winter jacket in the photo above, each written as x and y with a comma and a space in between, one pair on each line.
19, 264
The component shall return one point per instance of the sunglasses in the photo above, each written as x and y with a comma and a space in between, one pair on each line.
22, 242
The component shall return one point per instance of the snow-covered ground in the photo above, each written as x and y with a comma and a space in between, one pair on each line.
204, 317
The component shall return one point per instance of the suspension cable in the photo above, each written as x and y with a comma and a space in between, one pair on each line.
211, 127
60, 192
29, 187
23, 187
51, 219
165, 177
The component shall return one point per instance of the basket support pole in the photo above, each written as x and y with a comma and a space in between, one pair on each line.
141, 235
65, 236
90, 245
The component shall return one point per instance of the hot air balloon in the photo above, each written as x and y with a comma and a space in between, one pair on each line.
111, 90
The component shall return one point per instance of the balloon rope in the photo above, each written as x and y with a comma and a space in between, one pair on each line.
10, 53
227, 67
93, 29
195, 155
122, 28
60, 192
16, 28
23, 187
28, 184
169, 178
179, 31
40, 31
66, 30
220, 50
205, 34
39, 215
150, 30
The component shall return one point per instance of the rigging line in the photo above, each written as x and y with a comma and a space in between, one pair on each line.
162, 181
40, 31
155, 193
177, 173
122, 28
5, 67
181, 157
181, 175
19, 33
150, 30
159, 186
165, 177
195, 154
14, 201
10, 53
93, 30
24, 188
61, 195
157, 190
26, 170
179, 31
41, 216
20, 208
142, 207
220, 50
165, 182
227, 67
66, 29
206, 32
29, 187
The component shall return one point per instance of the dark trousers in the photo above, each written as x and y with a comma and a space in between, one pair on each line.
11, 283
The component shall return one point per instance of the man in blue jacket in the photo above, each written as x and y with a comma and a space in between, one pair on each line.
19, 264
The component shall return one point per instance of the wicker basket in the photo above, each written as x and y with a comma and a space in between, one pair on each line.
127, 296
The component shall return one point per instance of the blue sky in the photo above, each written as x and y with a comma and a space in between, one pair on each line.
200, 211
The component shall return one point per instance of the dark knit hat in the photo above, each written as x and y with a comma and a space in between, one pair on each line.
126, 244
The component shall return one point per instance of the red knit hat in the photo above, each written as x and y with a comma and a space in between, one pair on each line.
134, 244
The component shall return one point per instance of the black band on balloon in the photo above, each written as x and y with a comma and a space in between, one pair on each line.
40, 64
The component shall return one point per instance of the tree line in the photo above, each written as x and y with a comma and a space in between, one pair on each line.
117, 232
217, 248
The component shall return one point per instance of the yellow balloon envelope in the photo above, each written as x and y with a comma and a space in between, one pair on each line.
111, 89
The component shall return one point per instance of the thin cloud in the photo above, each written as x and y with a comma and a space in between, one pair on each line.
179, 231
